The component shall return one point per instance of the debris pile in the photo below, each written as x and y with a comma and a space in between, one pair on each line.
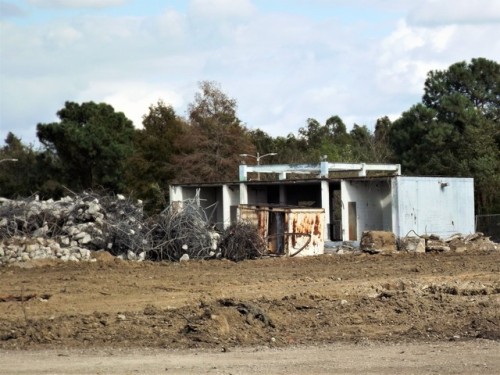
179, 231
457, 243
382, 242
69, 228
86, 220
242, 241
22, 249
73, 227
375, 242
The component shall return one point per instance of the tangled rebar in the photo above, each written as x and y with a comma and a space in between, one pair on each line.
181, 230
242, 240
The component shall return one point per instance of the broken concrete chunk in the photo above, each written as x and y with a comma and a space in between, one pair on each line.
375, 242
436, 245
453, 237
412, 244
94, 208
85, 239
473, 236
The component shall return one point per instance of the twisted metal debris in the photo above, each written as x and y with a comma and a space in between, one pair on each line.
181, 230
242, 241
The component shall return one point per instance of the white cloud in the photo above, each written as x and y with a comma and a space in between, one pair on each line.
404, 39
442, 37
8, 10
410, 52
133, 98
63, 36
445, 12
169, 24
281, 66
76, 3
221, 9
27, 101
404, 76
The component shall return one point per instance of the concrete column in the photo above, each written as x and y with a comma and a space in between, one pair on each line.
362, 172
226, 206
325, 203
324, 169
344, 197
395, 208
175, 193
243, 194
243, 172
282, 176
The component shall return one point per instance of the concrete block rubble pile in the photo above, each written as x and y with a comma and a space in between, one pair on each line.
69, 228
74, 228
376, 242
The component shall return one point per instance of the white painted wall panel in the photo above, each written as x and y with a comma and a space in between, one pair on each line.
344, 197
373, 205
176, 193
434, 205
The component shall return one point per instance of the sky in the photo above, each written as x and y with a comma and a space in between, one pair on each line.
284, 61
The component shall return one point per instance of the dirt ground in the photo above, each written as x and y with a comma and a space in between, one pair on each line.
452, 357
450, 299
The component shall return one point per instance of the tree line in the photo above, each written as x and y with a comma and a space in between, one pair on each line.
453, 131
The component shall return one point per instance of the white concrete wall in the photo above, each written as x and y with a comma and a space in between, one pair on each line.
187, 192
325, 203
373, 205
434, 205
210, 199
234, 195
231, 200
176, 193
400, 204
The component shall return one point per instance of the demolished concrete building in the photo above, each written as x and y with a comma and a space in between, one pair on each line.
364, 197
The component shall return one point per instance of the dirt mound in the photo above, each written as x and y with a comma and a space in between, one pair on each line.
276, 301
